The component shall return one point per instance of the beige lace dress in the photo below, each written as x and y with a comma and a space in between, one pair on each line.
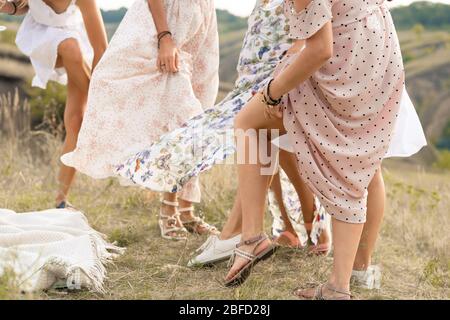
131, 103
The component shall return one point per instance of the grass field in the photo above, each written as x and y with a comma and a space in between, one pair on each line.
413, 247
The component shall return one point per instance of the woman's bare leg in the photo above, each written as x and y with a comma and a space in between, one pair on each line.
375, 212
253, 185
233, 226
288, 162
346, 238
71, 58
278, 193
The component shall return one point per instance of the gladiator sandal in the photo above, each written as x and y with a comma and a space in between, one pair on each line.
168, 224
197, 225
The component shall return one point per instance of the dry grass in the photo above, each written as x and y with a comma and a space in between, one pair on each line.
413, 246
413, 249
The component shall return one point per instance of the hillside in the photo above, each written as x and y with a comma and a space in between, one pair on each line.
425, 38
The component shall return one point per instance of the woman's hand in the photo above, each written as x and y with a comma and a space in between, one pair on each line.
168, 56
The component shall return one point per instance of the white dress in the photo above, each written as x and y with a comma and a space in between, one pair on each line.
40, 34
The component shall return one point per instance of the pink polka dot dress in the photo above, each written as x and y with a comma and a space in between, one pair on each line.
341, 120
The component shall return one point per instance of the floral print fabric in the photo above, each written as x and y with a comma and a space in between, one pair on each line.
208, 138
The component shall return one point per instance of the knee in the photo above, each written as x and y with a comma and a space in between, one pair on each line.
70, 51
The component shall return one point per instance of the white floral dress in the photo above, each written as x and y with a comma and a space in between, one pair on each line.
131, 103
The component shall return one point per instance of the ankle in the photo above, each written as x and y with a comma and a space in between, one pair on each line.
168, 210
361, 264
60, 198
343, 286
185, 215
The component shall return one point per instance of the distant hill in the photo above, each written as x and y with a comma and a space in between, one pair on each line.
430, 15
424, 30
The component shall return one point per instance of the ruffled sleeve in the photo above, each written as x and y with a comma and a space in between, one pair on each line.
307, 22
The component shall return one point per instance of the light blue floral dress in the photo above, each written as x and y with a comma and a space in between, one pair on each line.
208, 139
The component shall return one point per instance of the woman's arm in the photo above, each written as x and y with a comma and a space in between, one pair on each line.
95, 28
19, 7
318, 50
168, 58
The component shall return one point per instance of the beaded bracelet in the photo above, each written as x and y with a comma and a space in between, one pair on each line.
267, 99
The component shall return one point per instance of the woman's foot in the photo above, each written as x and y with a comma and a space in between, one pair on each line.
319, 238
64, 204
170, 223
322, 292
288, 239
246, 255
368, 279
194, 224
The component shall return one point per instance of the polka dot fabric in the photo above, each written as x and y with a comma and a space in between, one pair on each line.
341, 119
307, 22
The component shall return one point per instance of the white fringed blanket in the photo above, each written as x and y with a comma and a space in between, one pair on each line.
57, 247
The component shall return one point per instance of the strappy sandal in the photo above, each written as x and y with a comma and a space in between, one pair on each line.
197, 224
318, 293
317, 249
288, 239
253, 259
168, 224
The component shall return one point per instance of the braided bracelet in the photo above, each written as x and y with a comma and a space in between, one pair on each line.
162, 35
267, 99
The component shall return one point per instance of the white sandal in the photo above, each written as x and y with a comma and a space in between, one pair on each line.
168, 224
195, 224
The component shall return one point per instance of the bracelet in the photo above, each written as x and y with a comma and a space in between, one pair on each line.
162, 35
15, 8
267, 99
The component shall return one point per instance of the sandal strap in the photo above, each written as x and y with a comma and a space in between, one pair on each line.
199, 222
171, 217
243, 254
336, 290
187, 209
170, 203
174, 229
257, 239
318, 295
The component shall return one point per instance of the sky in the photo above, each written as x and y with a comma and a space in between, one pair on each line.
237, 7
